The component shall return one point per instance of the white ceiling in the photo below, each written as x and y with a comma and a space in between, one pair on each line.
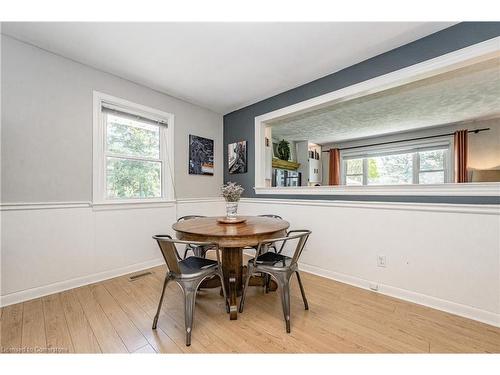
464, 94
221, 66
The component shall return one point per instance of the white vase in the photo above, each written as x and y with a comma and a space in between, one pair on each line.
231, 210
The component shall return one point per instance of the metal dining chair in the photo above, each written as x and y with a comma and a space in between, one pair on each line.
188, 273
280, 267
199, 251
272, 247
273, 216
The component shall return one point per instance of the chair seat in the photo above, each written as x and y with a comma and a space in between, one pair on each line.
273, 259
192, 266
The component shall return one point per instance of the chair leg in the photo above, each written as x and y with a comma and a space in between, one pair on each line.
306, 305
185, 252
245, 288
284, 286
268, 282
224, 292
155, 321
189, 303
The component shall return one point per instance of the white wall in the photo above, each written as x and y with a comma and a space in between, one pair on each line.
443, 256
484, 147
45, 250
52, 238
47, 127
48, 248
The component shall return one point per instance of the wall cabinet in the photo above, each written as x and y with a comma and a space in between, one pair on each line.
314, 171
309, 157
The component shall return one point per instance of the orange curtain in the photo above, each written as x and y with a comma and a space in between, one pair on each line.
461, 148
334, 169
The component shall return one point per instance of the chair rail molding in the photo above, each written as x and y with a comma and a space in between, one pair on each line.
16, 206
122, 205
486, 209
483, 189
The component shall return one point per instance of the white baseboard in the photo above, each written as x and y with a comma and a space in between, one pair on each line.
28, 294
487, 317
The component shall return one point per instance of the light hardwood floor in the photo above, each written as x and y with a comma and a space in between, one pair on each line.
116, 316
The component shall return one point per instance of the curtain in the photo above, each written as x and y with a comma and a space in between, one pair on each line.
334, 169
461, 146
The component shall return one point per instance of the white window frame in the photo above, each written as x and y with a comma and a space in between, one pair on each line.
99, 149
414, 147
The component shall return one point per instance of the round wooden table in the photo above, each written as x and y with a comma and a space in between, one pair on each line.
231, 239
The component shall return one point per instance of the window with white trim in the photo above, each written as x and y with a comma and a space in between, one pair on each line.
132, 160
407, 163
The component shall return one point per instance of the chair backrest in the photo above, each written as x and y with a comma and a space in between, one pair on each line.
188, 217
271, 215
170, 253
301, 235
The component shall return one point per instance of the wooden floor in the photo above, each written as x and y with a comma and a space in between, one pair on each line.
116, 316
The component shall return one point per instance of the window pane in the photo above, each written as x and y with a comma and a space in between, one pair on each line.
431, 177
354, 166
390, 169
354, 180
133, 138
430, 160
133, 178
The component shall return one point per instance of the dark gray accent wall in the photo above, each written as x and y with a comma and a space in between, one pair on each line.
239, 125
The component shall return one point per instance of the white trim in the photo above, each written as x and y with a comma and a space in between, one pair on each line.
438, 65
485, 209
200, 200
28, 294
101, 206
98, 147
484, 316
483, 189
132, 205
405, 206
16, 206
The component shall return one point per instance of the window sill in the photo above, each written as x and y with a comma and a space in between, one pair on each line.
131, 204
486, 189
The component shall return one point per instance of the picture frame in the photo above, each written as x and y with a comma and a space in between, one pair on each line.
201, 155
237, 154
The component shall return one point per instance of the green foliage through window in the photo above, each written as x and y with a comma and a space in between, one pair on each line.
398, 168
133, 166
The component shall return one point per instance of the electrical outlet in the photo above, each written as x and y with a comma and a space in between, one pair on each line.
381, 261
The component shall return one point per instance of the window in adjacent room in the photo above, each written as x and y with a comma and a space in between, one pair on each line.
410, 164
132, 160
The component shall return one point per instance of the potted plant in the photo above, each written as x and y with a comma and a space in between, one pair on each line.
284, 150
232, 194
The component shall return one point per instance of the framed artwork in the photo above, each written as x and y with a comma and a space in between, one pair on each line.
237, 157
201, 155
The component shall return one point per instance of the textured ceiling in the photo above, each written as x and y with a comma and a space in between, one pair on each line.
460, 95
220, 65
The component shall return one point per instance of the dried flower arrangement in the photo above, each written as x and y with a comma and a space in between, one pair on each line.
232, 192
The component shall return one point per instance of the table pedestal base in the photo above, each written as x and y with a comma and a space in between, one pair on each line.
234, 274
